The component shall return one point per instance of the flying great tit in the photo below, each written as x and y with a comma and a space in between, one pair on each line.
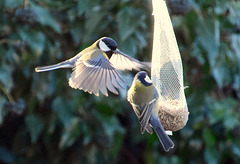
144, 98
95, 68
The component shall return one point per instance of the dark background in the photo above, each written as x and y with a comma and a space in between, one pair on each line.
43, 120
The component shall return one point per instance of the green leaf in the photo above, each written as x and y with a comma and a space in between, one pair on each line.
109, 121
40, 88
5, 155
208, 35
34, 125
217, 110
6, 77
128, 20
163, 159
225, 65
209, 137
115, 149
231, 118
235, 45
108, 112
44, 17
222, 73
34, 39
236, 150
110, 124
212, 155
3, 111
70, 133
77, 32
12, 3
129, 46
63, 109
236, 84
141, 39
95, 22
223, 110
83, 6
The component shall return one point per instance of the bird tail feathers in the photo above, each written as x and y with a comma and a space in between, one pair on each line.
165, 140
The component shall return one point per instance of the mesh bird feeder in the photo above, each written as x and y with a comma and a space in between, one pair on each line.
167, 71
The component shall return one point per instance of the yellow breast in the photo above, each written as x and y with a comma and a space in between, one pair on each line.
140, 94
92, 52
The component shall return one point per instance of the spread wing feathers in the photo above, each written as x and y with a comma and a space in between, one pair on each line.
124, 62
64, 64
94, 75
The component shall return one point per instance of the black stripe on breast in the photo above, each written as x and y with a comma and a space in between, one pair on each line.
109, 54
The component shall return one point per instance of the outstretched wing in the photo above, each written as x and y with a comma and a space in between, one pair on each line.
94, 75
65, 64
122, 62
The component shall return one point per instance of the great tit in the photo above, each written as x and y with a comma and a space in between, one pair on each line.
95, 68
144, 98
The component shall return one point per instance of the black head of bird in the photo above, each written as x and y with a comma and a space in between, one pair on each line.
107, 45
143, 78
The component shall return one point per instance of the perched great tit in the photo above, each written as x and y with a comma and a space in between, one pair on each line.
144, 98
95, 68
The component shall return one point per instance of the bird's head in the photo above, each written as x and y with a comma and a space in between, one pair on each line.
143, 78
107, 45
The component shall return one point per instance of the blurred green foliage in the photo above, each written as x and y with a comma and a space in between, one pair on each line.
43, 120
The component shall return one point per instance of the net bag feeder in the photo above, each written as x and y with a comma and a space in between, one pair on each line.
167, 71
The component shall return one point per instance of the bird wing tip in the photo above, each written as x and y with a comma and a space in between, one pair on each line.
142, 130
169, 148
37, 69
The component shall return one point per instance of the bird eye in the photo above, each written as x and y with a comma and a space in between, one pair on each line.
103, 46
147, 79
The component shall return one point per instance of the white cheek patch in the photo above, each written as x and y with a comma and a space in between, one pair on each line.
147, 79
104, 47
